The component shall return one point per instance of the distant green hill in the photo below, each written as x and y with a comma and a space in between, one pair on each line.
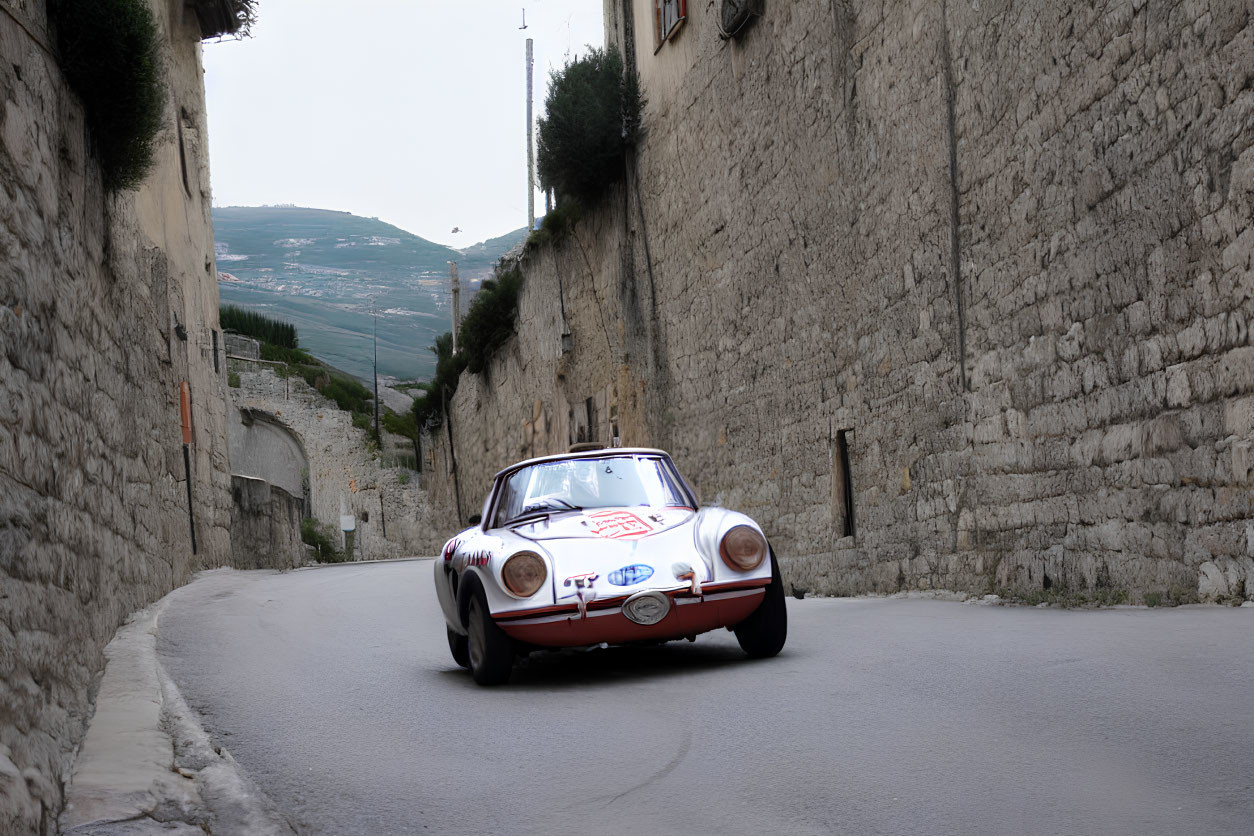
487, 252
327, 271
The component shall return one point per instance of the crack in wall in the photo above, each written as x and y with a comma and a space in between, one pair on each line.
844, 21
955, 238
592, 280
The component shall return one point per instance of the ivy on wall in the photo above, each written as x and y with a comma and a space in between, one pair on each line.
489, 323
110, 55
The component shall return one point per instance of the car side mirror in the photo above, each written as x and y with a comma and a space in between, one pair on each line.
475, 519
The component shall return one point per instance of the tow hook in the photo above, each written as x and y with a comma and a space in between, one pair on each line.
685, 572
584, 591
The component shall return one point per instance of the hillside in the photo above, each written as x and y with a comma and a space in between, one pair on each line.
323, 270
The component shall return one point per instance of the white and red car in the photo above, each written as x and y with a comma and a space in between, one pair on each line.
603, 546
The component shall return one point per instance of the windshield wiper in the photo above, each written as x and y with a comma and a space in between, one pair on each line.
543, 509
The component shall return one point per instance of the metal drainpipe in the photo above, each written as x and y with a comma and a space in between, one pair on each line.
185, 414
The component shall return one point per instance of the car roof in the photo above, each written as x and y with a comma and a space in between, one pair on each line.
604, 453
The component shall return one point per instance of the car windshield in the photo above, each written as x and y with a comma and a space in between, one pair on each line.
576, 484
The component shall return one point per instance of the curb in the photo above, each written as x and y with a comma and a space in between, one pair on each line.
146, 765
359, 563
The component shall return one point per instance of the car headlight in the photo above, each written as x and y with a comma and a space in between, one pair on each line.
524, 574
743, 548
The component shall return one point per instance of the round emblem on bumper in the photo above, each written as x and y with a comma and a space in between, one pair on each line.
647, 607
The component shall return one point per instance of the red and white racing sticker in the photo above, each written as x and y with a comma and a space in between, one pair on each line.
619, 525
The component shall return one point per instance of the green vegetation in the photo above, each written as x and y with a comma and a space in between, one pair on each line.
323, 539
278, 354
246, 13
347, 391
489, 323
275, 332
232, 379
403, 477
555, 225
266, 246
405, 425
109, 53
429, 407
593, 117
1102, 597
1173, 597
349, 395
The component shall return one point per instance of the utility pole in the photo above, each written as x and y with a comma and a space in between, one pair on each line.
455, 284
531, 154
375, 314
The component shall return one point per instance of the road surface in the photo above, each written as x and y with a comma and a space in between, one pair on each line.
334, 689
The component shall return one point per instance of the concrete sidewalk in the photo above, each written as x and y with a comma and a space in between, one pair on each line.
146, 765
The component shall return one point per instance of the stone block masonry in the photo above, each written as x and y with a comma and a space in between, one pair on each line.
108, 305
292, 428
983, 269
265, 526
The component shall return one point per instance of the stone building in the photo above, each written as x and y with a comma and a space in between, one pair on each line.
109, 349
946, 294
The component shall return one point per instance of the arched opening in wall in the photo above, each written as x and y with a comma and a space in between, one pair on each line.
263, 447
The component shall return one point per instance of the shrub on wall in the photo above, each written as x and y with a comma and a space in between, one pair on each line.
245, 13
428, 407
555, 226
490, 320
592, 116
110, 54
488, 324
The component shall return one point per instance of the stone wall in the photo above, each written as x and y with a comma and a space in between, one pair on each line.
992, 262
265, 526
108, 304
343, 475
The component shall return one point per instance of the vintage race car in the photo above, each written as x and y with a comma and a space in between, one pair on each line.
602, 546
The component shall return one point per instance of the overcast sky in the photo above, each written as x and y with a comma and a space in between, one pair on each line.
412, 111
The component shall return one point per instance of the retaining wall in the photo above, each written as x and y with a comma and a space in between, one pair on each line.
265, 526
944, 294
108, 303
344, 476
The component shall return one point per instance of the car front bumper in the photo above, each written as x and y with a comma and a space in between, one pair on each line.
604, 621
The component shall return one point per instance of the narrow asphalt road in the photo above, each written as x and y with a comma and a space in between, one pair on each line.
334, 689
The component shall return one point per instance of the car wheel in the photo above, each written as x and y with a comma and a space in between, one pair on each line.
763, 633
459, 646
491, 651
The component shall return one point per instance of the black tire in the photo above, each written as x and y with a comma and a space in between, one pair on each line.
764, 632
491, 651
459, 646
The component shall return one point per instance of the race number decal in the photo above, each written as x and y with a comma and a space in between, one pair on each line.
619, 525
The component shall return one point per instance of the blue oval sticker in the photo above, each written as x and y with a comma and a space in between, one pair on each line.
630, 575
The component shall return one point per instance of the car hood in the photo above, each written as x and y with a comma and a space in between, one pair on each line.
606, 524
619, 550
